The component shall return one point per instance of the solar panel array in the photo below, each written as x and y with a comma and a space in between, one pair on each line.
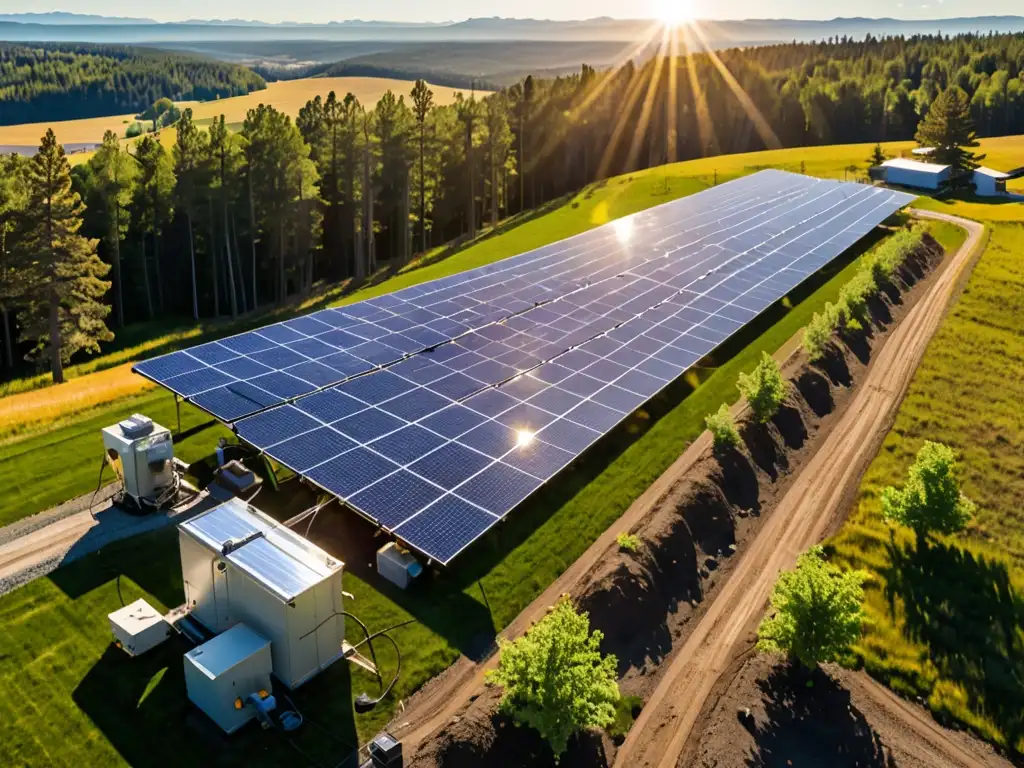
437, 409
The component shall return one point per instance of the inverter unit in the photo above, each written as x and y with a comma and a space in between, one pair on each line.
142, 455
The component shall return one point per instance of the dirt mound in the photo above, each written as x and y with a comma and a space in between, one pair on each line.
482, 736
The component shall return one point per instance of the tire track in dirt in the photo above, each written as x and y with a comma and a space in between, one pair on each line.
816, 499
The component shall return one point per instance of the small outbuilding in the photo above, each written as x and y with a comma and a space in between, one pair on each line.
239, 565
989, 183
916, 174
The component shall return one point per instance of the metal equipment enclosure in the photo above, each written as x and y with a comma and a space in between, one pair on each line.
239, 565
916, 174
228, 669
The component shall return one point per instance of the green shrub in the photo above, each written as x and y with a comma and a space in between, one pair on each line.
818, 611
722, 427
628, 542
135, 129
818, 333
764, 388
931, 499
556, 679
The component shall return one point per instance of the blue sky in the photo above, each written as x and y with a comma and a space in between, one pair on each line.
442, 10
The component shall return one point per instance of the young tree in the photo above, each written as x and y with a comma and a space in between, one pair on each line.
949, 129
877, 156
64, 286
722, 427
422, 104
931, 499
817, 611
555, 678
115, 174
764, 388
192, 174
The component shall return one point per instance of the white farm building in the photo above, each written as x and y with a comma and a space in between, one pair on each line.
989, 183
916, 174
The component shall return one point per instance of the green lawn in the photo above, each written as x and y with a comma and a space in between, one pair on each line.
947, 622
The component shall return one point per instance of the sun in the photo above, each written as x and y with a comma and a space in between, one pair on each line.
673, 13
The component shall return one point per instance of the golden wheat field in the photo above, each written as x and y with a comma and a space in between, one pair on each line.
288, 96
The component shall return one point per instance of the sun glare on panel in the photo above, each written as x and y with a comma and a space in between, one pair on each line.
624, 229
523, 438
673, 13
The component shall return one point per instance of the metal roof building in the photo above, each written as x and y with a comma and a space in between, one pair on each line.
916, 174
239, 565
989, 183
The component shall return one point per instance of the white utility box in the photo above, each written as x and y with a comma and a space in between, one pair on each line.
142, 454
138, 627
397, 565
221, 674
239, 565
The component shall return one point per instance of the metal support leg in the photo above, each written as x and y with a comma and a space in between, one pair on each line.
177, 407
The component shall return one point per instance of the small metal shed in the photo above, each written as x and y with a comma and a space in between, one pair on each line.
989, 183
916, 174
239, 565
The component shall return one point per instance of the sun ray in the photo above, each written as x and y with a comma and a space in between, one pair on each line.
705, 130
649, 100
771, 141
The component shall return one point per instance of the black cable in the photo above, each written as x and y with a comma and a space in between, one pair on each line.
119, 595
99, 484
357, 620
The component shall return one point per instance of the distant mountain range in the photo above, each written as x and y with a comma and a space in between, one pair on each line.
70, 27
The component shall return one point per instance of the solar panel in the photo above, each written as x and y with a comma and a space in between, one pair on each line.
444, 442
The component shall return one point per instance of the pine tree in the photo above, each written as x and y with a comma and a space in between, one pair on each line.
12, 203
64, 286
877, 156
115, 174
422, 103
154, 205
191, 172
949, 129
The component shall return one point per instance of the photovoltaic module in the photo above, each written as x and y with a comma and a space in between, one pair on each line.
436, 409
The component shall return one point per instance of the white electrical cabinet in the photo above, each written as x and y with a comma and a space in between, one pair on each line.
222, 673
142, 454
138, 627
397, 565
239, 565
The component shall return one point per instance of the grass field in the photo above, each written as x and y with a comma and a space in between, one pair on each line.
288, 96
947, 621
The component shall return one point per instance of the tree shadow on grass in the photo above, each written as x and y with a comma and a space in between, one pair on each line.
811, 726
965, 609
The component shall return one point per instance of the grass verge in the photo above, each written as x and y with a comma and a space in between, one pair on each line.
947, 621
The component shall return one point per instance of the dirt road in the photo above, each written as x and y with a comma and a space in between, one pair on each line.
817, 497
